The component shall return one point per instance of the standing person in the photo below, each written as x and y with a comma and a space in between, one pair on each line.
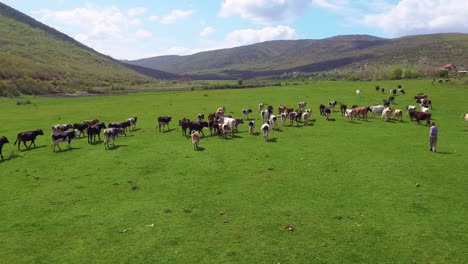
433, 137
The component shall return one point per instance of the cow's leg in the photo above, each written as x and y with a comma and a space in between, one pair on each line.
24, 143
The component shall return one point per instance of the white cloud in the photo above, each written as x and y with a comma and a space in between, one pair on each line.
153, 18
136, 11
264, 11
143, 33
175, 15
207, 31
331, 4
250, 36
81, 38
421, 17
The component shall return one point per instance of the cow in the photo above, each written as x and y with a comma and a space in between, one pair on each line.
3, 140
391, 99
386, 103
133, 122
361, 111
195, 139
211, 117
420, 96
401, 91
306, 117
283, 117
299, 115
91, 122
327, 112
343, 108
184, 123
123, 125
398, 114
200, 117
270, 109
358, 92
80, 127
425, 109
377, 88
265, 130
223, 130
281, 109
399, 86
95, 130
321, 109
231, 123
61, 127
293, 117
111, 133
28, 136
273, 122
65, 136
197, 126
332, 105
424, 102
246, 113
265, 115
393, 92
301, 105
354, 106
386, 113
289, 110
420, 116
465, 116
261, 106
163, 121
383, 90
377, 110
251, 127
239, 121
220, 111
349, 114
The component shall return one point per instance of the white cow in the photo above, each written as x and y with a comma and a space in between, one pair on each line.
425, 109
306, 117
261, 106
386, 113
265, 115
284, 117
266, 131
465, 116
358, 92
231, 123
377, 110
273, 122
349, 114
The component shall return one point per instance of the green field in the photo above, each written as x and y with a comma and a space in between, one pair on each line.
349, 189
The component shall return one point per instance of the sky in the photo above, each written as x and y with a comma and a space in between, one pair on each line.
142, 28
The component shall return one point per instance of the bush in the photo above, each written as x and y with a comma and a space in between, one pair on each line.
442, 73
240, 81
396, 74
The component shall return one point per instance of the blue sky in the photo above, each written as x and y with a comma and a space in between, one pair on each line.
138, 29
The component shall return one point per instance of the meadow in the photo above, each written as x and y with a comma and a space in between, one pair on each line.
349, 189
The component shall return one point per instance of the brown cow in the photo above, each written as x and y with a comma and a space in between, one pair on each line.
420, 116
361, 112
195, 139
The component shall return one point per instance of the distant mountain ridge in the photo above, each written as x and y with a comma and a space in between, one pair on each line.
309, 55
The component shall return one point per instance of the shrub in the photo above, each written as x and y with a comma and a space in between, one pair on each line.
396, 73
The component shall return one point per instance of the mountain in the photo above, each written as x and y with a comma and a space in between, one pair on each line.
308, 55
35, 58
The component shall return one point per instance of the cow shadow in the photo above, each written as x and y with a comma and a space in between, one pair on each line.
354, 122
256, 133
273, 140
200, 149
166, 131
114, 147
29, 149
235, 136
97, 142
332, 119
65, 150
136, 129
444, 153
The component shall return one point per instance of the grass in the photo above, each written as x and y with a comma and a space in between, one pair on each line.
349, 189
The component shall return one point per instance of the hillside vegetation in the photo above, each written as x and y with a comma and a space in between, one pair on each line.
352, 52
35, 58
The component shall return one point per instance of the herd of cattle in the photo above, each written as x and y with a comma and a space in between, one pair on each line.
224, 125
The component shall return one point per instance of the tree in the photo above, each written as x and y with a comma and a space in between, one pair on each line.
407, 74
240, 81
443, 73
396, 73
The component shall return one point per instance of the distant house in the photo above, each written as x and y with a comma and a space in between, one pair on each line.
450, 67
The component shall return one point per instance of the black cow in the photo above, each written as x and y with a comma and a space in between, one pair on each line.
185, 124
163, 121
123, 125
354, 106
3, 140
343, 109
386, 103
197, 126
327, 113
63, 137
213, 126
399, 86
95, 130
383, 90
321, 109
377, 88
28, 136
270, 109
80, 127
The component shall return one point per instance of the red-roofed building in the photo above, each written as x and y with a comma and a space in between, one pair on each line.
450, 66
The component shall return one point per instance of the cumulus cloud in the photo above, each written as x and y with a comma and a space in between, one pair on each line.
207, 31
264, 11
136, 11
410, 17
175, 15
331, 4
153, 18
143, 33
250, 36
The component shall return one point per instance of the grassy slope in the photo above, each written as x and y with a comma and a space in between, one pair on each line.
349, 188
426, 51
31, 49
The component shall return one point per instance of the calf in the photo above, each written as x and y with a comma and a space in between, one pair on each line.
91, 122
200, 117
65, 136
358, 92
377, 88
123, 125
111, 133
383, 90
465, 116
265, 115
332, 105
327, 112
343, 109
393, 91
197, 126
386, 114
377, 110
231, 123
289, 110
273, 122
164, 121
284, 117
293, 117
349, 114
185, 124
239, 121
420, 116
195, 139
301, 105
61, 128
213, 126
321, 109
28, 136
80, 127
281, 109
3, 140
401, 91
133, 122
361, 112
95, 130
246, 113
251, 127
306, 117
424, 102
398, 114
270, 109
266, 131
261, 106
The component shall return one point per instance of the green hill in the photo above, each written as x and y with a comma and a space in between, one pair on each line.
352, 51
36, 59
